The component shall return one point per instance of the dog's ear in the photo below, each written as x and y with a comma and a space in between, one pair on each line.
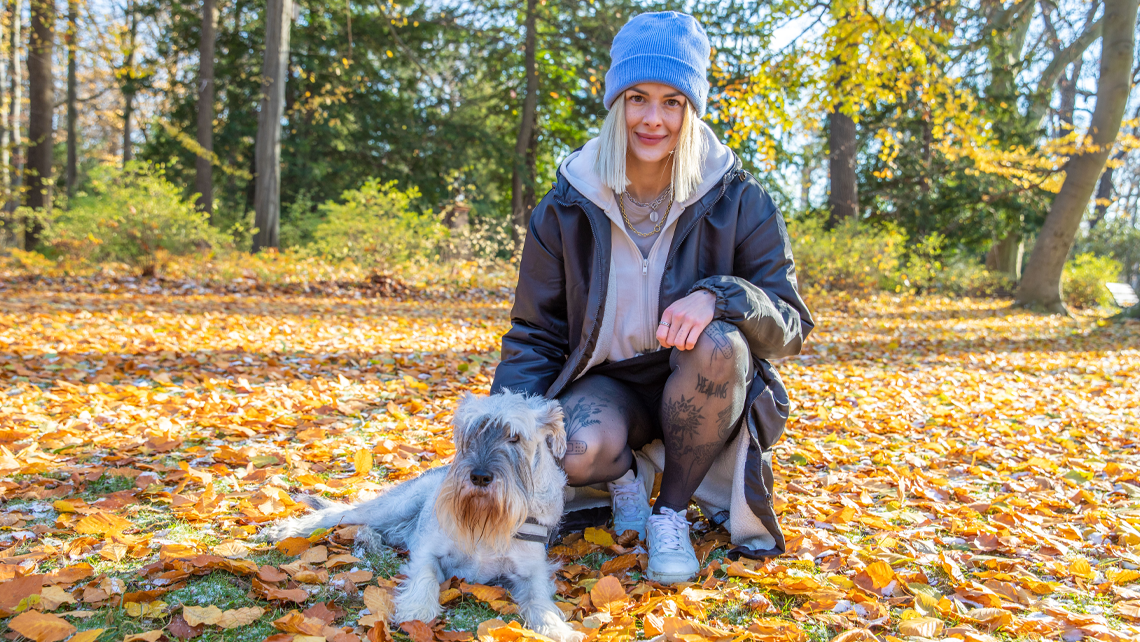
466, 412
548, 420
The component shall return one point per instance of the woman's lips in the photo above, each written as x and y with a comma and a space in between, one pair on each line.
649, 140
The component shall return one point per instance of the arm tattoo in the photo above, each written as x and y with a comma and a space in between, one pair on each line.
718, 390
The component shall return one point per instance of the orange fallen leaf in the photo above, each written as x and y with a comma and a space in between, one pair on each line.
41, 627
607, 593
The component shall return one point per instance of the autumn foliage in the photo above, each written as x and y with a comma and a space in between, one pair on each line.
952, 469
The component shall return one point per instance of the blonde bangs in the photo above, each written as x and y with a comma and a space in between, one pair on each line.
688, 156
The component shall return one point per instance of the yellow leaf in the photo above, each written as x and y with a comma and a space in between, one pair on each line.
102, 524
925, 627
880, 573
362, 461
234, 618
599, 537
195, 615
90, 635
1080, 568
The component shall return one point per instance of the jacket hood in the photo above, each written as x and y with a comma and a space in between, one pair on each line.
578, 168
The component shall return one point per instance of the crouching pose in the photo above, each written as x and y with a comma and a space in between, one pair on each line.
656, 280
484, 518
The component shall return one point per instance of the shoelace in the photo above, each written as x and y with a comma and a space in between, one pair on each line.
676, 531
625, 499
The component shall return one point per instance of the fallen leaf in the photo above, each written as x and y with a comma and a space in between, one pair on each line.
41, 627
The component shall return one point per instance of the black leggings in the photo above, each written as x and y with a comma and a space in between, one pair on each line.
690, 399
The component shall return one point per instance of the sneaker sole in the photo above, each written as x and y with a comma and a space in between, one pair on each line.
670, 578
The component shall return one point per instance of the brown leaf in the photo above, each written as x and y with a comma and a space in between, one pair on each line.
90, 635
293, 546
179, 628
855, 635
41, 627
607, 591
320, 611
102, 524
295, 622
315, 555
14, 591
271, 574
619, 564
147, 636
379, 602
418, 631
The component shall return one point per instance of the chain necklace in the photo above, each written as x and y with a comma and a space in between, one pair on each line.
653, 205
660, 223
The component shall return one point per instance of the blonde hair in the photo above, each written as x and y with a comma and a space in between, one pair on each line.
688, 155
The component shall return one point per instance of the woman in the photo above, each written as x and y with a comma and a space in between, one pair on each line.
655, 279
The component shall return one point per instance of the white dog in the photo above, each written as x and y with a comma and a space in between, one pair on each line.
484, 518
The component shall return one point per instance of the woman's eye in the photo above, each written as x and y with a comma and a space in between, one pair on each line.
636, 99
673, 102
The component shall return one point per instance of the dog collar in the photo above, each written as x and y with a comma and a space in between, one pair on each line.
532, 531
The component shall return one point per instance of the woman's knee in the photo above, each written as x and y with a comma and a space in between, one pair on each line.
721, 352
591, 456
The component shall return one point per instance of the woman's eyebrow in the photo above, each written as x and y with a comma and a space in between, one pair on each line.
645, 93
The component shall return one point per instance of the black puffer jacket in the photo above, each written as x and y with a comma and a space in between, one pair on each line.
731, 242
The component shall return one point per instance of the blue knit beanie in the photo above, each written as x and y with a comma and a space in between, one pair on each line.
666, 47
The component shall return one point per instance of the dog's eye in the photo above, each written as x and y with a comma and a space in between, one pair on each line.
514, 439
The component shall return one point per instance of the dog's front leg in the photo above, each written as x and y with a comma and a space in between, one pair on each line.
533, 589
417, 597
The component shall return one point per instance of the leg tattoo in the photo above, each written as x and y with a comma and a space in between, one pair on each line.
718, 390
578, 415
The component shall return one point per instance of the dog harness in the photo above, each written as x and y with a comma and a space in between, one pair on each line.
532, 531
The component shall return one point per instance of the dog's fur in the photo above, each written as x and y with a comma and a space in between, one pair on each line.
451, 526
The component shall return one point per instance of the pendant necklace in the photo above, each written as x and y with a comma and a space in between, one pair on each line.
653, 205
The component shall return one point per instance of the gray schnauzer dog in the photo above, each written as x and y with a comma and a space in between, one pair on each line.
484, 518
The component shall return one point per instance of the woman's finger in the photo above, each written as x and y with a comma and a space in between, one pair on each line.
694, 334
679, 321
664, 326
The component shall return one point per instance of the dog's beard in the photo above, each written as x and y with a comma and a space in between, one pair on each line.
480, 518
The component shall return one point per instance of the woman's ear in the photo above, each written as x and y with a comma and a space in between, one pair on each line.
548, 419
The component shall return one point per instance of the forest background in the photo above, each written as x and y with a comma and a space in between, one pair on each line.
912, 145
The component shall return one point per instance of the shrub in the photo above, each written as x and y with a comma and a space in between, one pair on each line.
1082, 283
850, 256
131, 215
376, 227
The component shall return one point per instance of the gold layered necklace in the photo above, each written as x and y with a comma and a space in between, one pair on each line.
660, 223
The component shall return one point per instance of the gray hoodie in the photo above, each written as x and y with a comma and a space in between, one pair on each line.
631, 315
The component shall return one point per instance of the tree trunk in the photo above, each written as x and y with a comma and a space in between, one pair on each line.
1067, 87
1005, 255
7, 238
15, 108
842, 166
41, 94
522, 176
1041, 286
129, 87
72, 110
204, 169
267, 188
1103, 194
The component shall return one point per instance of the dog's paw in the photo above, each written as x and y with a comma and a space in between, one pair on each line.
367, 541
422, 612
561, 632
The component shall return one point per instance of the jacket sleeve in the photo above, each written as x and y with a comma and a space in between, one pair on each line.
761, 297
535, 348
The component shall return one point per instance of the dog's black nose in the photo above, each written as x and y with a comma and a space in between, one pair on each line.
481, 477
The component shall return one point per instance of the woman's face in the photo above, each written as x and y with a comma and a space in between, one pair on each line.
653, 117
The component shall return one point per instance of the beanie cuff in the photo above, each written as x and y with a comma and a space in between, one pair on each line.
657, 68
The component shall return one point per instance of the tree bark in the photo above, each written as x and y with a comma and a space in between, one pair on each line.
6, 53
1067, 87
72, 109
267, 188
1005, 255
204, 169
16, 107
842, 166
129, 86
1041, 286
522, 176
1103, 194
41, 94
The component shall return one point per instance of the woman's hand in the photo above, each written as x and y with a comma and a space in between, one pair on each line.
686, 319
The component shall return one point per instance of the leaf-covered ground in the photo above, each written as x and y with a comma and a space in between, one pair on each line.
953, 468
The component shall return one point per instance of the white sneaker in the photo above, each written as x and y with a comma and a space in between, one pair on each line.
631, 504
671, 555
